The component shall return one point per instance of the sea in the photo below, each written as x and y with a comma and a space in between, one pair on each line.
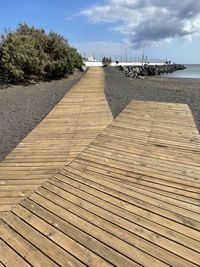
191, 71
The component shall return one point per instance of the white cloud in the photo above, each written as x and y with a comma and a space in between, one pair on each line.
148, 21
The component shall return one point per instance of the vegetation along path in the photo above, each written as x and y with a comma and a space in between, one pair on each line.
73, 123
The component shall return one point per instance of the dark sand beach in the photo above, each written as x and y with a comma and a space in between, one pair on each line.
121, 90
23, 107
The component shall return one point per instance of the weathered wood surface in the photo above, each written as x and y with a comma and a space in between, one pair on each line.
131, 198
73, 123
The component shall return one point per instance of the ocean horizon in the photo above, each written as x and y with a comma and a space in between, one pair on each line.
191, 71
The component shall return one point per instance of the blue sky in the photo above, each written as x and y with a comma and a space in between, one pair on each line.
115, 27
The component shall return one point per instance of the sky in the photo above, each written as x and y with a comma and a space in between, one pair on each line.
119, 28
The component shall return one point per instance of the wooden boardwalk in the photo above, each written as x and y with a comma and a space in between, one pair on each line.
131, 198
73, 123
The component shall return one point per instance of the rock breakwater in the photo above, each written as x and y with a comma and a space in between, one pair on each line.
149, 70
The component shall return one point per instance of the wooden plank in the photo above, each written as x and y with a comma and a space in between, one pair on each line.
122, 228
140, 181
73, 123
168, 218
136, 211
10, 258
99, 196
5, 207
59, 256
23, 247
130, 158
87, 234
165, 185
131, 198
102, 174
143, 188
63, 236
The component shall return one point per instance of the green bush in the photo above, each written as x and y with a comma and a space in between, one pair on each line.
29, 52
106, 61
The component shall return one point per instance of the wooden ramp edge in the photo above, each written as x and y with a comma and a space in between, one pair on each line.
72, 124
131, 198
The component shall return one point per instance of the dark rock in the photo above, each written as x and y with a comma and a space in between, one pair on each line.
149, 70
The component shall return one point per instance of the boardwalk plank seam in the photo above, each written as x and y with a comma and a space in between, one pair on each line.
70, 126
102, 202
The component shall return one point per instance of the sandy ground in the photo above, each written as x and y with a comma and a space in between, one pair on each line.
121, 90
23, 107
